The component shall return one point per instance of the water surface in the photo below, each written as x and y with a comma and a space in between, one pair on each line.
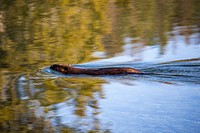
160, 38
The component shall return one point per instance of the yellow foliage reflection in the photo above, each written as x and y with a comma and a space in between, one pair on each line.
35, 34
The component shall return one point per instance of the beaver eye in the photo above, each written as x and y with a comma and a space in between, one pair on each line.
65, 68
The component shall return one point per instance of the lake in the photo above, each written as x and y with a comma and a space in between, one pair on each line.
159, 38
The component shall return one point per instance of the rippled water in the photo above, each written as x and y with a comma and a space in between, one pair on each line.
176, 71
163, 99
159, 38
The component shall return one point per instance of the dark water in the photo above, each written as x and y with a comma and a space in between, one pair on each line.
160, 38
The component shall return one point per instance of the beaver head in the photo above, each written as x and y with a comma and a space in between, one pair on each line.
61, 68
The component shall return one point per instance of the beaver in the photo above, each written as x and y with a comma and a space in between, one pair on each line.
69, 69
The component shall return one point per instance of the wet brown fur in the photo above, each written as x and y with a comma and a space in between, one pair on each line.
68, 69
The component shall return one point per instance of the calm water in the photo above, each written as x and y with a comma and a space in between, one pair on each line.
160, 38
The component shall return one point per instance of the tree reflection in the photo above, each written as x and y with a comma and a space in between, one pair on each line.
38, 33
28, 100
82, 92
53, 31
58, 30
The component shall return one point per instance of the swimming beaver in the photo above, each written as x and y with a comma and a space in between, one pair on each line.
68, 69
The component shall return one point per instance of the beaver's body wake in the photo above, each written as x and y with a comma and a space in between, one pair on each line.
68, 69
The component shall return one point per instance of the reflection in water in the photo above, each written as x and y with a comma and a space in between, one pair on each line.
154, 36
151, 107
